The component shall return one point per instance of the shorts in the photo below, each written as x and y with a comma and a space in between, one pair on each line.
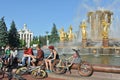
50, 58
6, 57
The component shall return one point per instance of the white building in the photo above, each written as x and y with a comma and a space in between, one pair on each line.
26, 35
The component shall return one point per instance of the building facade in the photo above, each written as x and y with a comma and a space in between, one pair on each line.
26, 35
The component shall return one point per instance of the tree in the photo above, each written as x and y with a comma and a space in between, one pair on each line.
54, 37
35, 40
42, 40
13, 36
3, 33
22, 43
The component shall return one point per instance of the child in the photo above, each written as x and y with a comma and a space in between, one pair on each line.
53, 56
7, 54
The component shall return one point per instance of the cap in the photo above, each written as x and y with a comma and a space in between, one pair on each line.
51, 47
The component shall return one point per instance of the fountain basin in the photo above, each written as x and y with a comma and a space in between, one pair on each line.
106, 68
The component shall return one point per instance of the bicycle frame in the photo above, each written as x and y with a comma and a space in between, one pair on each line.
30, 69
84, 68
66, 61
36, 72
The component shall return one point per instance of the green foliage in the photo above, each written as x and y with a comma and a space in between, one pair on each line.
22, 43
54, 37
3, 33
31, 43
13, 36
42, 40
35, 40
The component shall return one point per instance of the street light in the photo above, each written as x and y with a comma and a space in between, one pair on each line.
47, 41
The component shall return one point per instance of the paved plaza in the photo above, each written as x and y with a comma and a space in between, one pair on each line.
75, 76
95, 76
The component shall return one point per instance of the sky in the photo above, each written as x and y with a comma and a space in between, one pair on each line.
39, 15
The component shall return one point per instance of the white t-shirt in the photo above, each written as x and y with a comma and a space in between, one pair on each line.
14, 53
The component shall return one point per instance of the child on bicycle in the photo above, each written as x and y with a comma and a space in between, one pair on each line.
75, 57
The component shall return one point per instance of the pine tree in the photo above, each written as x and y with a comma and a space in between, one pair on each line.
3, 33
13, 36
54, 35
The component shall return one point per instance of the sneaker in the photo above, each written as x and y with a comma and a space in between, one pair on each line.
48, 71
32, 66
20, 64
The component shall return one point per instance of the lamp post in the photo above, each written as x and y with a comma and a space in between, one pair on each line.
47, 41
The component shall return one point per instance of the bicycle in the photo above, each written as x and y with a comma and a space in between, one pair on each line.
36, 72
5, 68
63, 65
1, 67
8, 69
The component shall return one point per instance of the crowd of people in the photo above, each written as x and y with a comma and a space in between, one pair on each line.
29, 59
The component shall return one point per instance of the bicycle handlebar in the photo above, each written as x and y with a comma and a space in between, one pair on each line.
75, 50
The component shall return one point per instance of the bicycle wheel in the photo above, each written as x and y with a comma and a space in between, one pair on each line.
38, 74
21, 71
85, 69
59, 67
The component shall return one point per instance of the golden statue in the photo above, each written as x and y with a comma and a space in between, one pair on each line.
70, 34
105, 29
62, 35
84, 33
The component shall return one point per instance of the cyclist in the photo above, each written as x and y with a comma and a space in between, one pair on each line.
38, 57
28, 52
53, 55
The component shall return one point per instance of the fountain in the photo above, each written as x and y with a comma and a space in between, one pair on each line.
84, 34
100, 22
62, 35
70, 34
96, 38
95, 20
105, 34
96, 47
